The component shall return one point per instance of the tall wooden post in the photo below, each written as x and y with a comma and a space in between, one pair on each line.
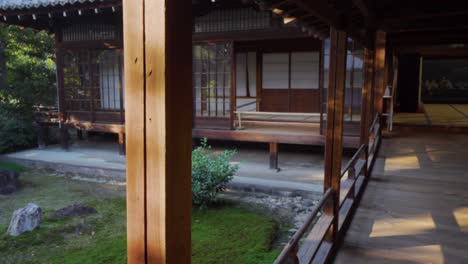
274, 155
366, 112
334, 132
380, 73
64, 135
158, 98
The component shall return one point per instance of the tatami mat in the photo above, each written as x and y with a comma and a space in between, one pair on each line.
436, 115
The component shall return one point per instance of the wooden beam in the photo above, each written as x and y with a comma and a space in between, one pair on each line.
366, 106
426, 24
334, 132
320, 9
364, 8
379, 70
158, 97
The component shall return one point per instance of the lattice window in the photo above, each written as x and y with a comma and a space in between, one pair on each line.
232, 19
84, 32
212, 79
92, 80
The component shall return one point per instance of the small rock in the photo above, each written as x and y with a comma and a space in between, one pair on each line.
25, 219
8, 181
285, 193
74, 210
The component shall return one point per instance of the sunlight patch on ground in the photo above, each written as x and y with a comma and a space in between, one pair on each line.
416, 254
403, 226
402, 163
461, 216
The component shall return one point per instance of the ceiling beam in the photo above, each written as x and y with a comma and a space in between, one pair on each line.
426, 24
367, 10
428, 38
363, 8
321, 10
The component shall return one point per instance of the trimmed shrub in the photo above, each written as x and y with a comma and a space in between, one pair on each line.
210, 173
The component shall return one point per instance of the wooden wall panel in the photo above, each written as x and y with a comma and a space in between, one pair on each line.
275, 100
305, 100
291, 100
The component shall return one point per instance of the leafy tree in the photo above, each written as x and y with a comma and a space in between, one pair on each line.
27, 78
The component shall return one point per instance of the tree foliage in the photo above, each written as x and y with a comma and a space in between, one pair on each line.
27, 78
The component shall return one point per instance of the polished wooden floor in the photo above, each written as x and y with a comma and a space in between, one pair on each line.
415, 207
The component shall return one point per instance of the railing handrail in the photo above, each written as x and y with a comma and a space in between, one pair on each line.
293, 243
374, 122
353, 160
247, 104
355, 184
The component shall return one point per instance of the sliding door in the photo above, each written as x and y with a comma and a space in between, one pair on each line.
290, 82
246, 81
275, 82
212, 66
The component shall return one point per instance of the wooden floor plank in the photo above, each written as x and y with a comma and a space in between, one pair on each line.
415, 208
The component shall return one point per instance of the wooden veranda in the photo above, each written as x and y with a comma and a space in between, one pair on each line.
415, 208
159, 117
157, 64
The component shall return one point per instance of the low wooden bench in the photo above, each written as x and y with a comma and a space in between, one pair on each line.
273, 114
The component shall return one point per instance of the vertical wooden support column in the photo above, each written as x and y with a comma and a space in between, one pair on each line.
334, 132
64, 135
158, 97
42, 134
366, 112
274, 155
122, 147
380, 73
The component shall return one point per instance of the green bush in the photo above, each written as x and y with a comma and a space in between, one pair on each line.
210, 173
16, 132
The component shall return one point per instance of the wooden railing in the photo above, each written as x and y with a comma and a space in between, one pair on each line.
321, 242
375, 137
290, 251
46, 114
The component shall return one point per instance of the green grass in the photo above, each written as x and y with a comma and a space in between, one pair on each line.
4, 165
232, 235
221, 234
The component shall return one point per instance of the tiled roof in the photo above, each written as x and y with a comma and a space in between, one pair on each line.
28, 4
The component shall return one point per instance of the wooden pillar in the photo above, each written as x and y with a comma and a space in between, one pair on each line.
158, 104
42, 134
274, 155
122, 147
380, 70
64, 135
79, 134
334, 131
366, 112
